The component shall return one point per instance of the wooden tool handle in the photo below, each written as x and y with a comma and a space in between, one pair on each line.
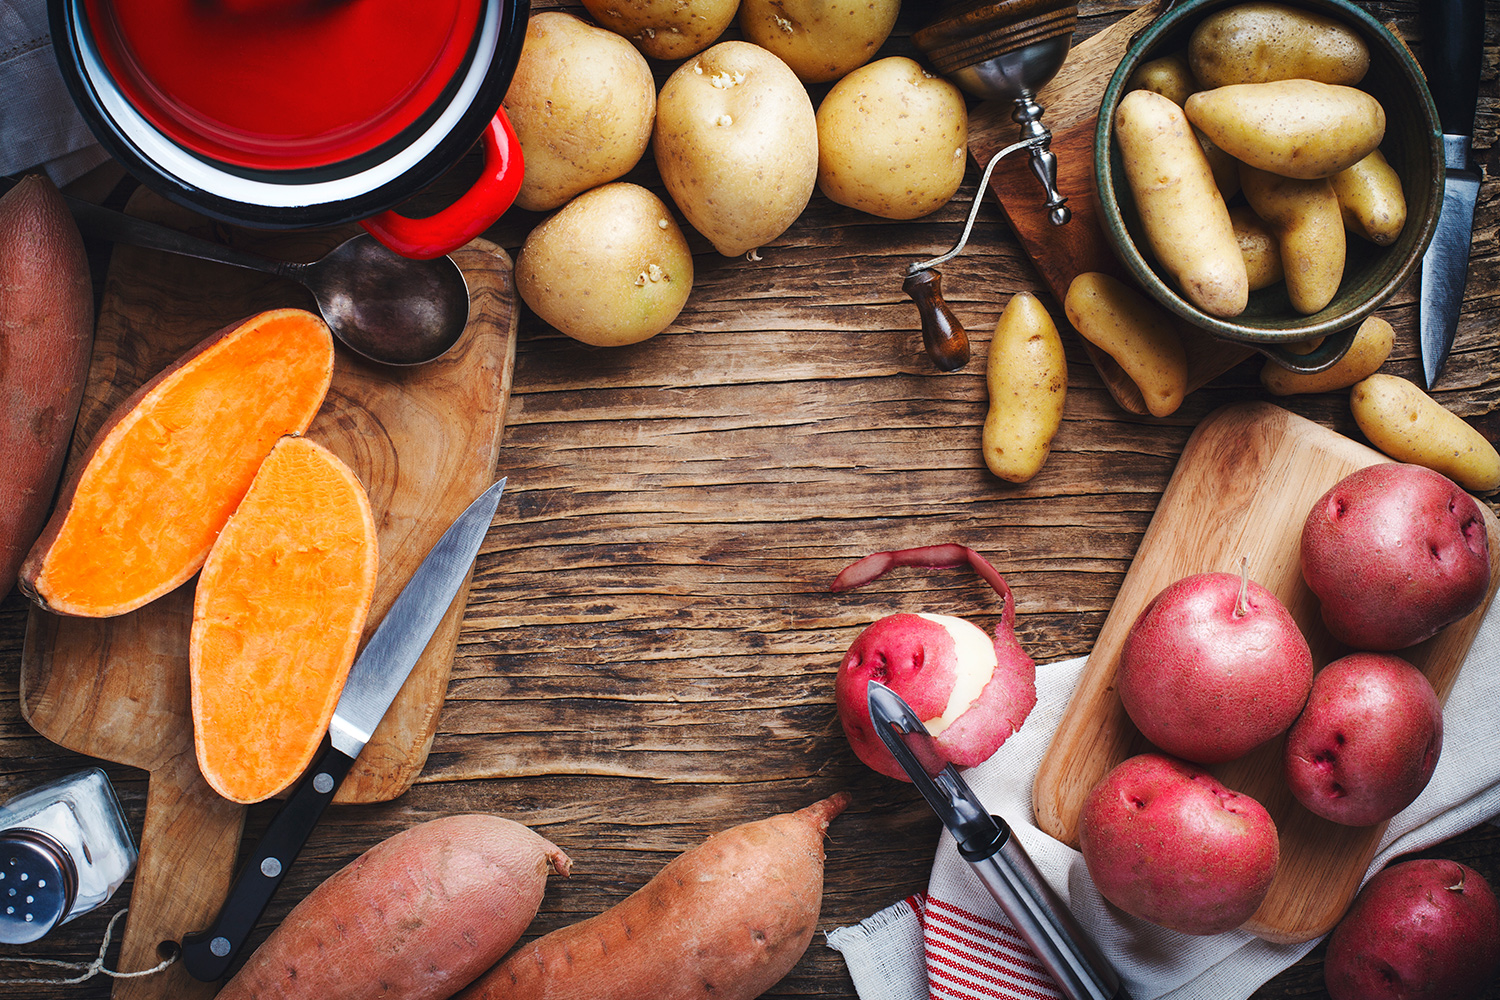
944, 336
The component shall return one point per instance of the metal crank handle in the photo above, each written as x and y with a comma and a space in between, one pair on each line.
1063, 947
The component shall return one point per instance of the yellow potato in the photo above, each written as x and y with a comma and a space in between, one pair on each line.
1182, 212
665, 29
1027, 376
582, 101
736, 144
1410, 426
820, 40
1141, 337
1259, 245
1225, 168
1296, 128
1372, 345
1167, 75
1261, 42
1309, 231
611, 267
892, 140
1371, 198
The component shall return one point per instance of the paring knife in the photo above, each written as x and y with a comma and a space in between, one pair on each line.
1452, 38
997, 857
372, 685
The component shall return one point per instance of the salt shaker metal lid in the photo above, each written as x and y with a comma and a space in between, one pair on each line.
38, 883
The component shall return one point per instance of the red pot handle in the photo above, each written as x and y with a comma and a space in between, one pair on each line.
474, 211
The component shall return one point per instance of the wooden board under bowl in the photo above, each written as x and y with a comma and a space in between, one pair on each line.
1243, 487
423, 441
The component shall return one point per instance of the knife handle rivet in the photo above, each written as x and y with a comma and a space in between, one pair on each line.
322, 783
219, 946
270, 867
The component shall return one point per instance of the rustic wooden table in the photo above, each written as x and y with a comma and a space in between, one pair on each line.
649, 648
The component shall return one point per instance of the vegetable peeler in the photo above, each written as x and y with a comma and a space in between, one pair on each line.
986, 843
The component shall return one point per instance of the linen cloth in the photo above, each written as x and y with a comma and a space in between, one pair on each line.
953, 942
40, 129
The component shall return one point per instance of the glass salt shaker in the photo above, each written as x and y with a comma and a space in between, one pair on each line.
64, 850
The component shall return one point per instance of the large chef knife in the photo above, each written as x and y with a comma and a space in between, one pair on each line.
1452, 36
372, 685
997, 857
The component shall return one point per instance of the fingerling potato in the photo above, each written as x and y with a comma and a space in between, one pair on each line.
1027, 377
1309, 229
1258, 243
1296, 128
1410, 426
1166, 75
1371, 199
1371, 346
1261, 42
1142, 338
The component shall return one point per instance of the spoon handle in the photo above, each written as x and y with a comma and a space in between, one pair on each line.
117, 227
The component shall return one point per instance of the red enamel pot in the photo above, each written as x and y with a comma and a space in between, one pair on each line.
293, 114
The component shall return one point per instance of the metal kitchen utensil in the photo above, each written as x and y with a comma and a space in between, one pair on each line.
372, 685
985, 841
391, 309
1452, 47
996, 51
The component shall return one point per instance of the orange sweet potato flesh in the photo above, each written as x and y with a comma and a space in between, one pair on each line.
417, 916
46, 335
727, 920
277, 617
170, 465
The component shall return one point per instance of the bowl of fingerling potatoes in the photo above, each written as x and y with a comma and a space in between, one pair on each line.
1269, 173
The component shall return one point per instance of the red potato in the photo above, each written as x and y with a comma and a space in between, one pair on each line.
726, 920
972, 691
1427, 928
1213, 667
1395, 552
1367, 742
46, 337
417, 916
1166, 842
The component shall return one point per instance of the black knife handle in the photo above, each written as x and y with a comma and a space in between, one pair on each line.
208, 954
1452, 48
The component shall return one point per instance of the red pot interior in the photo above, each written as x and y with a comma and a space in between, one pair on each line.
283, 84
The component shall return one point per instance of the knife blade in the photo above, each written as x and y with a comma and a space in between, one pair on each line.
372, 684
1452, 39
985, 841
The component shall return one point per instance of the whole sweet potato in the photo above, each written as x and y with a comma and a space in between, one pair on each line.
46, 336
417, 916
727, 920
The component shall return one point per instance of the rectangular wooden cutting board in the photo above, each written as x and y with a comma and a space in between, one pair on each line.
423, 441
1243, 487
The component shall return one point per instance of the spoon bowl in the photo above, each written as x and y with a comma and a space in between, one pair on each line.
386, 308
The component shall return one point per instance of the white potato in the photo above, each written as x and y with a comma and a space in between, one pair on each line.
666, 29
820, 40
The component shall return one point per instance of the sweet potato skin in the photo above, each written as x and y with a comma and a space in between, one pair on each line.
46, 337
726, 920
417, 916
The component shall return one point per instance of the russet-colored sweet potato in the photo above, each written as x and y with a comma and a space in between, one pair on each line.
417, 916
277, 616
138, 515
727, 920
46, 335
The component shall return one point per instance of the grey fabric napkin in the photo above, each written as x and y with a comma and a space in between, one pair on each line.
40, 129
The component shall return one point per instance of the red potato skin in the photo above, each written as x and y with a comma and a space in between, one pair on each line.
46, 338
1395, 552
1426, 929
1367, 742
417, 916
726, 920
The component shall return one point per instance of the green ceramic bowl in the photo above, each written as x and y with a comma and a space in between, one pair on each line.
1413, 145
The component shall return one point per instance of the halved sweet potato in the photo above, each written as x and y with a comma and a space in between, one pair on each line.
46, 332
171, 464
277, 617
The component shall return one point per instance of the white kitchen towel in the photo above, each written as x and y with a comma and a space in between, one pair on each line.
953, 941
40, 129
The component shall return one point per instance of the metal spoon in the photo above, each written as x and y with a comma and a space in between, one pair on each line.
390, 309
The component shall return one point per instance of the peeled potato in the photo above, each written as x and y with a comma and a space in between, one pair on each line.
737, 145
611, 267
820, 40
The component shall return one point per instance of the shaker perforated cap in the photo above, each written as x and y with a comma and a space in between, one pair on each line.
38, 883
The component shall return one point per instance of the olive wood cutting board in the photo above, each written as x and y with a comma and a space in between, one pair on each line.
1243, 487
1061, 253
424, 442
